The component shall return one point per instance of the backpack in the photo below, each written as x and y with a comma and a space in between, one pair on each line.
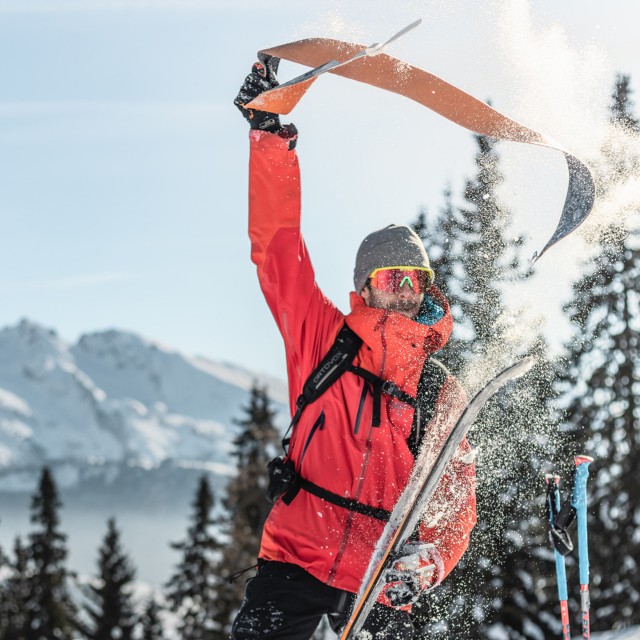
283, 479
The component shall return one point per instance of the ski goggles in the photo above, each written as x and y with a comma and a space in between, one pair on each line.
392, 279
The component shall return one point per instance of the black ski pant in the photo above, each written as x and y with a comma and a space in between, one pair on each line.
286, 602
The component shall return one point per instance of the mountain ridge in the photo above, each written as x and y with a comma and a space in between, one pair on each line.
113, 398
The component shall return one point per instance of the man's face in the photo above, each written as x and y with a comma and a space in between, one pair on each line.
405, 302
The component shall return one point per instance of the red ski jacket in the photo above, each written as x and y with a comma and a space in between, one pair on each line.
335, 445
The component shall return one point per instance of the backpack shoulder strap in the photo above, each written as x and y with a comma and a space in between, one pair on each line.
335, 362
432, 379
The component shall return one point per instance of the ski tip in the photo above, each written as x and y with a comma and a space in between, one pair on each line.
582, 459
516, 370
409, 27
522, 366
548, 477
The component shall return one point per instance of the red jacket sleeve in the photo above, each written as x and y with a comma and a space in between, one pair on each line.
307, 320
449, 524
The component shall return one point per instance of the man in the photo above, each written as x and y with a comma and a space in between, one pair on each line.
352, 450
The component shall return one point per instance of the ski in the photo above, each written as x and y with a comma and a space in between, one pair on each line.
378, 69
579, 503
428, 470
283, 98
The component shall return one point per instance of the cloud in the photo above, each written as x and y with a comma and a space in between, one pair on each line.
65, 282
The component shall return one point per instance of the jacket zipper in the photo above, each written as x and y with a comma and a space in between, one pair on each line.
363, 397
318, 424
350, 517
363, 470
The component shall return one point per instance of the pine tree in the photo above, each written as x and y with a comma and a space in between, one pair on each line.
191, 590
4, 596
51, 613
245, 502
490, 260
110, 608
441, 238
150, 623
621, 107
14, 595
4, 560
602, 382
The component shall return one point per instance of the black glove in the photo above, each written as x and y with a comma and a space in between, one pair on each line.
261, 79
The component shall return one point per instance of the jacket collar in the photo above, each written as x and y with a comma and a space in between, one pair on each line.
368, 323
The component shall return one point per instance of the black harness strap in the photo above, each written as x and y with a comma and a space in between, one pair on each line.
346, 503
432, 379
331, 367
339, 359
381, 386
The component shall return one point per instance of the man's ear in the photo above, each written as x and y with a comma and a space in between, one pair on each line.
366, 293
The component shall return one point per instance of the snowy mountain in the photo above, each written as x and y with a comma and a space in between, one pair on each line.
126, 425
111, 398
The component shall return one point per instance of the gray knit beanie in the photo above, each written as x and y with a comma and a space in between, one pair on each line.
393, 246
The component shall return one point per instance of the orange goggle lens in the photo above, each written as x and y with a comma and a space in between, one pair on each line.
392, 279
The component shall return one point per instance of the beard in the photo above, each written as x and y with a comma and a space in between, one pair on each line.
407, 307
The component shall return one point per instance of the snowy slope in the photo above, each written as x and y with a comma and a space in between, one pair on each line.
114, 398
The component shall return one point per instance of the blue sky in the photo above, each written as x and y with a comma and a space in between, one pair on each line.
124, 163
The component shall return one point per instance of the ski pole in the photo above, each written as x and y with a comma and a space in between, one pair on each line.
579, 503
553, 507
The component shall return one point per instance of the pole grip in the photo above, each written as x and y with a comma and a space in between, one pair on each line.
579, 502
